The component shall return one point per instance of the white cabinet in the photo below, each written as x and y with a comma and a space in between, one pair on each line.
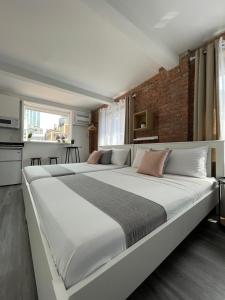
10, 154
10, 166
10, 172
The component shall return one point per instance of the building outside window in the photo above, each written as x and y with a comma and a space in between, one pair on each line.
44, 123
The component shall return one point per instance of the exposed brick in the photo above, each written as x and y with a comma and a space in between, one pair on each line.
169, 96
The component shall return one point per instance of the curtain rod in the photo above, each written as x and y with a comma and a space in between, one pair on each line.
205, 51
193, 57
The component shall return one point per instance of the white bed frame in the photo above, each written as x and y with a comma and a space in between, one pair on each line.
123, 274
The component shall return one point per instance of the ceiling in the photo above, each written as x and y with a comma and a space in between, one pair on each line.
86, 52
37, 91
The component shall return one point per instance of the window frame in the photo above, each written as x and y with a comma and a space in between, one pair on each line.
45, 108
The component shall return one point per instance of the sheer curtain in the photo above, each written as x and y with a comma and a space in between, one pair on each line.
221, 89
112, 124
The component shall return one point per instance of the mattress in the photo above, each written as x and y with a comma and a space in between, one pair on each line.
37, 172
82, 237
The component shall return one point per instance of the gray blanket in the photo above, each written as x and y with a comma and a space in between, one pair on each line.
136, 215
57, 170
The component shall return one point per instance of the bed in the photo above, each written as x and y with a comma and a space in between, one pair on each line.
37, 172
61, 273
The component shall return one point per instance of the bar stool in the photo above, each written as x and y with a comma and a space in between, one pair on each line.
53, 158
33, 159
69, 153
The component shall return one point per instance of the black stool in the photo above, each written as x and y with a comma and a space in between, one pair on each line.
51, 158
33, 159
69, 153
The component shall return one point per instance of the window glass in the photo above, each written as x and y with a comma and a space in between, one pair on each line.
44, 124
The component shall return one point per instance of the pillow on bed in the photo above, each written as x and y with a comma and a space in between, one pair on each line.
138, 157
153, 163
94, 157
106, 157
119, 156
188, 162
167, 158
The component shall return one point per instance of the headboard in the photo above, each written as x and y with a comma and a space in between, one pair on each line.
217, 145
130, 147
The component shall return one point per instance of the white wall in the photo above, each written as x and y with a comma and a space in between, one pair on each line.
81, 137
10, 107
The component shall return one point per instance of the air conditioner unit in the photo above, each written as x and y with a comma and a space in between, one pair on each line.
81, 118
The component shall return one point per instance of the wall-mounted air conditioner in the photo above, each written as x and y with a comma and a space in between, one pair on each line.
81, 118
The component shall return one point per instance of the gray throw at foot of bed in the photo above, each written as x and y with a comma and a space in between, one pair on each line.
57, 170
135, 214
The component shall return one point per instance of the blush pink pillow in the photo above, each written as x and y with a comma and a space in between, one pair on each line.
94, 157
153, 163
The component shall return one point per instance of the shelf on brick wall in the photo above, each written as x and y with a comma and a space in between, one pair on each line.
141, 129
148, 138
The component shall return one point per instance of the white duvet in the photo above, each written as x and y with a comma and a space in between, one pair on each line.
38, 172
81, 237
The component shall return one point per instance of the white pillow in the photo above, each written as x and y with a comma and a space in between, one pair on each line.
188, 162
138, 157
119, 156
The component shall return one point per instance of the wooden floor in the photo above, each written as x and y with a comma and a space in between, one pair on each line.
194, 271
16, 270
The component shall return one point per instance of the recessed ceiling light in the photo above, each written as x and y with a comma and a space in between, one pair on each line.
170, 15
166, 19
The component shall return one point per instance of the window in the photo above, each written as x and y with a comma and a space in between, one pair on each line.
112, 124
45, 123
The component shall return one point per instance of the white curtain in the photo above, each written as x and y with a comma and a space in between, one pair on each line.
221, 92
112, 124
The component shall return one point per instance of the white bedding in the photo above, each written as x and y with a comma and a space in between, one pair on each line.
81, 237
37, 172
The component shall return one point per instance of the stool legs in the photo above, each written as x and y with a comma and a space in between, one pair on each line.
78, 154
75, 152
67, 155
35, 159
53, 158
69, 152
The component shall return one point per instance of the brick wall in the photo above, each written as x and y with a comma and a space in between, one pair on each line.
169, 96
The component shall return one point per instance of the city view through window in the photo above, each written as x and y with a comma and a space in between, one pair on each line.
46, 126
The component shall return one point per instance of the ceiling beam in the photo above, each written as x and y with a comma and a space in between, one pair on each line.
23, 97
26, 74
